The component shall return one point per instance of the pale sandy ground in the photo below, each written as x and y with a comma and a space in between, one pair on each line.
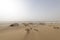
45, 32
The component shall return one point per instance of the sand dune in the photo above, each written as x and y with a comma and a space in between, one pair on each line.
33, 32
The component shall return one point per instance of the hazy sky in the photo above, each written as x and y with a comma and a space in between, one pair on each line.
29, 10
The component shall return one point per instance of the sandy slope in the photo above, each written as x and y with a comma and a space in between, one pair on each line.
45, 33
17, 34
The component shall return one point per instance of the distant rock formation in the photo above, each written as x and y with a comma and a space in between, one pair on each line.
56, 27
25, 24
42, 23
14, 24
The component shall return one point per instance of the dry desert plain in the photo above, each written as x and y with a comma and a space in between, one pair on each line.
30, 31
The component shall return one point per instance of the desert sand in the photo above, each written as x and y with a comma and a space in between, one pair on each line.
31, 31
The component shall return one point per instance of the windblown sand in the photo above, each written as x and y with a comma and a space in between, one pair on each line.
37, 32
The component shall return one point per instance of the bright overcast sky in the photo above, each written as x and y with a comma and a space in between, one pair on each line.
29, 10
